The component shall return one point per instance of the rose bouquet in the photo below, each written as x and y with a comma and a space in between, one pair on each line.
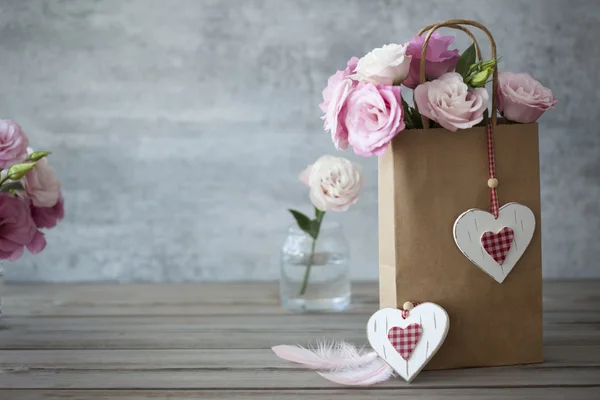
30, 194
364, 107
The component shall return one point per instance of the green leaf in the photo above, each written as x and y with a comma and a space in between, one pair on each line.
38, 155
407, 115
7, 187
416, 119
18, 171
303, 221
486, 118
466, 59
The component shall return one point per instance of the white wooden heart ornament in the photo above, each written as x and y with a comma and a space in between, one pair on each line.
474, 227
407, 344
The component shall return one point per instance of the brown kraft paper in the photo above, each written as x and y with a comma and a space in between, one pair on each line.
427, 178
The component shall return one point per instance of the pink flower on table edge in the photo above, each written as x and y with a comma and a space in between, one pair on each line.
48, 217
521, 98
13, 143
338, 87
387, 65
448, 101
17, 229
334, 182
439, 58
373, 117
42, 185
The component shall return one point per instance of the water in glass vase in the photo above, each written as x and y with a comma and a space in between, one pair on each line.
319, 282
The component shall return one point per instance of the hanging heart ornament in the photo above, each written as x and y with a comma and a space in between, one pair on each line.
407, 340
495, 244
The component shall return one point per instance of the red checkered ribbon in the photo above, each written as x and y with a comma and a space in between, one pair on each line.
492, 169
405, 340
498, 244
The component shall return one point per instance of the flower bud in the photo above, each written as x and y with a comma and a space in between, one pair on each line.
18, 171
38, 155
488, 64
480, 78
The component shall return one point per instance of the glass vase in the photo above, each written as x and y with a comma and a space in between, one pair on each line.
318, 282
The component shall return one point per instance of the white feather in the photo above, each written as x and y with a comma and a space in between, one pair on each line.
374, 372
328, 355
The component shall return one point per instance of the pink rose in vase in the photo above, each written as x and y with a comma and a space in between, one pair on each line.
521, 98
41, 185
17, 229
13, 143
48, 217
439, 58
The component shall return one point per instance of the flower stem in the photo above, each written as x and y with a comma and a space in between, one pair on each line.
308, 267
319, 215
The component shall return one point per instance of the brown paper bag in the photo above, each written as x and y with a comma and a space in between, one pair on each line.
427, 178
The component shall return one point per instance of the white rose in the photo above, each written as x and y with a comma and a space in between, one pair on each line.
387, 65
334, 183
42, 185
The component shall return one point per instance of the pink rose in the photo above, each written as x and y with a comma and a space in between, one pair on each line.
42, 185
334, 182
334, 80
439, 59
338, 87
387, 65
373, 116
448, 101
17, 229
13, 143
48, 217
521, 98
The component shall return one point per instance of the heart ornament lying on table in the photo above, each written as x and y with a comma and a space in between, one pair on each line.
407, 340
495, 244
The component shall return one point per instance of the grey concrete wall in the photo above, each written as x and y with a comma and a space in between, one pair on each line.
179, 126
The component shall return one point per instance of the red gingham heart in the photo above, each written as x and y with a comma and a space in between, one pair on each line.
405, 340
498, 244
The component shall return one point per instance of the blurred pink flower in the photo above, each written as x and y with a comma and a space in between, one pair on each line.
41, 185
17, 229
374, 116
13, 143
448, 101
338, 87
48, 217
439, 59
521, 98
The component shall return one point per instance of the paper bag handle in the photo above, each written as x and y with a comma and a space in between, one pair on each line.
457, 24
460, 28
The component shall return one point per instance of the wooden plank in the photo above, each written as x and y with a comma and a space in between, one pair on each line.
163, 299
232, 331
527, 376
118, 360
224, 298
555, 393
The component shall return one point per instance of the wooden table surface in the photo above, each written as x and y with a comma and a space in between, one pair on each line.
212, 341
